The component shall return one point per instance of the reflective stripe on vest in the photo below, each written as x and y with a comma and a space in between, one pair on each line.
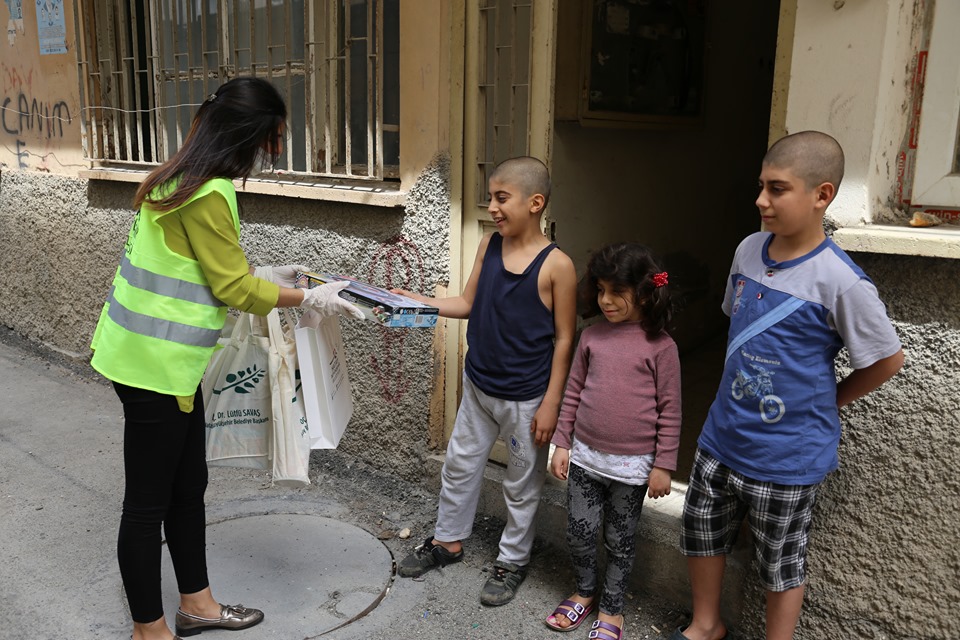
165, 285
157, 328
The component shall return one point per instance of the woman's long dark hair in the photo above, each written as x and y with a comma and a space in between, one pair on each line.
628, 266
227, 138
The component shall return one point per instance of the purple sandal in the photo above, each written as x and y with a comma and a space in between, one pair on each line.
574, 612
606, 631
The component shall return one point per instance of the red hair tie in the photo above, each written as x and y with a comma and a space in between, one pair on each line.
660, 279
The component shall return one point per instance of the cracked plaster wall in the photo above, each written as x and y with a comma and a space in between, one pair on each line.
62, 239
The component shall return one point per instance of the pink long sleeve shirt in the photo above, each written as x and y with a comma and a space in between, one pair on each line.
623, 394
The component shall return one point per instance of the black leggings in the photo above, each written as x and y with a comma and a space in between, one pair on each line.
164, 459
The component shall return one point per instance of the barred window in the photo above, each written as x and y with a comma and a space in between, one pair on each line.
146, 65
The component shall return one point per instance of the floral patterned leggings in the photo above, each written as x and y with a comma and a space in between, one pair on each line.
590, 498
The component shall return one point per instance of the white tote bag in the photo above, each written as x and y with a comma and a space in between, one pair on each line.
290, 444
237, 397
327, 395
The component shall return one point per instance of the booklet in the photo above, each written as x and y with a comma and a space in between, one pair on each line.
378, 305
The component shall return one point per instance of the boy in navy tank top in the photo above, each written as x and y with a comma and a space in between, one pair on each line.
521, 302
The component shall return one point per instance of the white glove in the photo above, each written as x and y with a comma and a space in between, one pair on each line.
285, 276
325, 301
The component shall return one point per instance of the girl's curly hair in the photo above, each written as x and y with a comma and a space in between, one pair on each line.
628, 266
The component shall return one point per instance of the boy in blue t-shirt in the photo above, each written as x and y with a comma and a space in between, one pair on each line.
794, 300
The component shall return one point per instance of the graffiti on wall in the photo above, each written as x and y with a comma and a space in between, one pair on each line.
396, 264
30, 124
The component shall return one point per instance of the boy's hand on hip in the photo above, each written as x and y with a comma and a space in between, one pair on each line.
658, 484
560, 463
544, 424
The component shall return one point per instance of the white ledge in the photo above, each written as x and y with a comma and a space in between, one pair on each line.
932, 242
377, 194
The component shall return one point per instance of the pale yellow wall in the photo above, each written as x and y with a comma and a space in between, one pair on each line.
40, 99
424, 85
851, 71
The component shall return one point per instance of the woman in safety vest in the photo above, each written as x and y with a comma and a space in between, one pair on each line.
182, 267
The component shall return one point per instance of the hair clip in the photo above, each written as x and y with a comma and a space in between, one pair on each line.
660, 279
211, 97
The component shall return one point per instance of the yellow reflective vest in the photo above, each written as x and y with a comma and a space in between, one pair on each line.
161, 321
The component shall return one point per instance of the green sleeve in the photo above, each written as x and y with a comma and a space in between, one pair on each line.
212, 238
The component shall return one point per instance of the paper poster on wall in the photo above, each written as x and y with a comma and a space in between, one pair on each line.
15, 23
51, 29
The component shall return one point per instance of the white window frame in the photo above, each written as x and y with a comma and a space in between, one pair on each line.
935, 180
116, 117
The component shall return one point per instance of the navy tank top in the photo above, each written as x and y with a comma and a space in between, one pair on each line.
510, 332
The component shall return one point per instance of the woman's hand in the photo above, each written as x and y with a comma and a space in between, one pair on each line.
286, 276
325, 301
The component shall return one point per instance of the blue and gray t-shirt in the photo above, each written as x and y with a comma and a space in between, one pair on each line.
775, 416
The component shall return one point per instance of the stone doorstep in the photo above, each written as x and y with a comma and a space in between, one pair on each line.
660, 570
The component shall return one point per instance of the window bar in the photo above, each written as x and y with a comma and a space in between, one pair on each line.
268, 37
379, 105
122, 88
347, 31
226, 54
175, 76
512, 82
371, 10
86, 52
156, 92
252, 28
288, 54
309, 101
502, 69
187, 52
137, 106
110, 80
487, 14
309, 85
331, 103
205, 53
226, 44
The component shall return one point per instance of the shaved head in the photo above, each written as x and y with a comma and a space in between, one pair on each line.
812, 156
527, 173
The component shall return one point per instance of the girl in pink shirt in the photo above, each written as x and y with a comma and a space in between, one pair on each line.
619, 427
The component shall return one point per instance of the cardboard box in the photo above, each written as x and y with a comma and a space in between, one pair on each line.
378, 305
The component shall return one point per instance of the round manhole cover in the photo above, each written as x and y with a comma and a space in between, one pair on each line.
308, 574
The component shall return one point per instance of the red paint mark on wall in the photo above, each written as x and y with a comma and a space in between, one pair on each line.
14, 80
396, 264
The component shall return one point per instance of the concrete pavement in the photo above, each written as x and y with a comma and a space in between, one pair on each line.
320, 561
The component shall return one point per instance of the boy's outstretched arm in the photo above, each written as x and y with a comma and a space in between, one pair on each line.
863, 381
563, 283
456, 306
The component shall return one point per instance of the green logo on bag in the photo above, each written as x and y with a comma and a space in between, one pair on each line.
242, 381
296, 375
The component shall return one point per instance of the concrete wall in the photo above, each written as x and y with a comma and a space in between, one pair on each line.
883, 558
62, 238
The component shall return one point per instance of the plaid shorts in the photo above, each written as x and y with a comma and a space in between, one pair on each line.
717, 500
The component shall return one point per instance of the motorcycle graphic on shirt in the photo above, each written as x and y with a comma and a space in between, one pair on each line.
759, 385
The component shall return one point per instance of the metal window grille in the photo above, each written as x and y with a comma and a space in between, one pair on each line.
504, 85
145, 66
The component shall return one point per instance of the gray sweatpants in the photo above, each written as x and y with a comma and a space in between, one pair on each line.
480, 420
